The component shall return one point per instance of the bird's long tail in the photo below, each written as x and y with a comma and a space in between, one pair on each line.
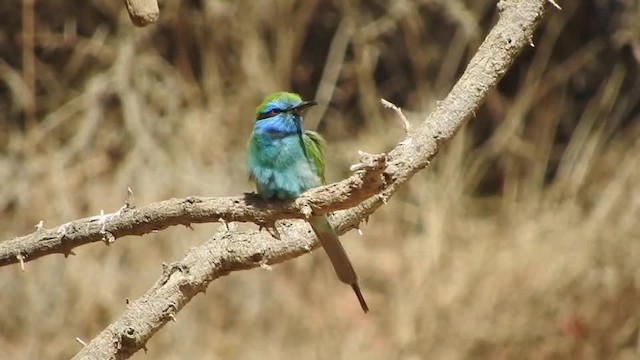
341, 263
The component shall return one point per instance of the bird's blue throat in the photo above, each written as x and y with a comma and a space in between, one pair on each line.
277, 127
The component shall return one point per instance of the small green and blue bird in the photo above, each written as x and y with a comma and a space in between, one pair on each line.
284, 160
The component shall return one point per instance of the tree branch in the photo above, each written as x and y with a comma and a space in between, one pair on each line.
231, 251
368, 180
180, 281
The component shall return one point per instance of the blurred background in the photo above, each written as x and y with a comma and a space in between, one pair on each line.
520, 241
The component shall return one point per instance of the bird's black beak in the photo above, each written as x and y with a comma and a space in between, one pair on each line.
304, 106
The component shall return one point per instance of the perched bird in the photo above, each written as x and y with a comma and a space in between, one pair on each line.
285, 160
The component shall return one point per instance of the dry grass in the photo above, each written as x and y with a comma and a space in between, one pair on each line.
520, 241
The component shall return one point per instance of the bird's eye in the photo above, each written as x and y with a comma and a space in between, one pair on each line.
270, 113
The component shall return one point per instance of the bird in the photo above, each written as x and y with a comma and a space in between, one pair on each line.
284, 160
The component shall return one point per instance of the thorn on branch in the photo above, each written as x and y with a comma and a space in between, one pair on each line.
225, 223
271, 229
128, 203
69, 253
39, 226
265, 266
20, 258
405, 123
552, 2
82, 342
229, 226
359, 231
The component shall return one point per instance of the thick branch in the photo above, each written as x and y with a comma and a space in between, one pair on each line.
231, 251
367, 181
180, 281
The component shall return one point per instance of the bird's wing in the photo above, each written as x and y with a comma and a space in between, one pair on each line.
314, 151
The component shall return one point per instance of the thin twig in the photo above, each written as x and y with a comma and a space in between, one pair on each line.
405, 123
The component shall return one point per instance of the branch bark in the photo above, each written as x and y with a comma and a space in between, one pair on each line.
369, 179
142, 12
231, 251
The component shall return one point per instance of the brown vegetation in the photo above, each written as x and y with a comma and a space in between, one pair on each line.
520, 241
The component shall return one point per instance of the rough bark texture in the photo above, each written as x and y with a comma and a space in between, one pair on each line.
142, 12
229, 251
368, 180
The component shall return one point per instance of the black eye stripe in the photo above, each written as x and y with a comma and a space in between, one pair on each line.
270, 113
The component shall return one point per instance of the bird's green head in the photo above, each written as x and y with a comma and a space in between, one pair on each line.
282, 104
